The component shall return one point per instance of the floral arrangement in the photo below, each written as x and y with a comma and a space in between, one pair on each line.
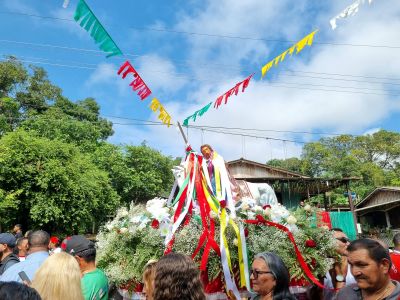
137, 235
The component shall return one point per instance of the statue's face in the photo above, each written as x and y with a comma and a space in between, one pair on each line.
206, 152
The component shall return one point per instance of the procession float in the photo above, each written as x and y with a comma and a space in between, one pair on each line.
206, 218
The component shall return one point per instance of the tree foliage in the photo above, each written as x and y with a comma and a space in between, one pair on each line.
375, 159
57, 170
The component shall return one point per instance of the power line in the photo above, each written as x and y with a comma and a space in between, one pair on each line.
270, 85
265, 130
211, 34
94, 66
252, 136
231, 67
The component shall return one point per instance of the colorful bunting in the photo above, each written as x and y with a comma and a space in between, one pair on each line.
234, 90
137, 84
91, 24
163, 116
349, 11
307, 40
200, 112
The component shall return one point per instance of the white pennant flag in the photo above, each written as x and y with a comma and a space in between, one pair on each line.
65, 4
349, 11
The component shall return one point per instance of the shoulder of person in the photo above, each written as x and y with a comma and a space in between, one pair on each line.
348, 292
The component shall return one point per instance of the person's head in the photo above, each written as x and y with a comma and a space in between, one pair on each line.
22, 246
7, 243
149, 273
177, 277
17, 228
342, 241
269, 275
396, 241
82, 249
59, 277
27, 233
54, 242
370, 263
38, 240
17, 291
206, 150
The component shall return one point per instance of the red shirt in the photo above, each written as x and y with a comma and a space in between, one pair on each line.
395, 270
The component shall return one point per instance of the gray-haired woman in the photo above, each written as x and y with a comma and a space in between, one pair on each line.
270, 278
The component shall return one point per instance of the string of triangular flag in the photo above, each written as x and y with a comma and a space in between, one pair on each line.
299, 46
306, 41
349, 11
88, 21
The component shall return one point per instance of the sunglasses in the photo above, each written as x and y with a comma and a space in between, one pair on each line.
343, 240
256, 273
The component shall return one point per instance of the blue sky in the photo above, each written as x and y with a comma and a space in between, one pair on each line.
190, 52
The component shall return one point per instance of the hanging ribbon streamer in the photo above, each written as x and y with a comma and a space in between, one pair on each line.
91, 24
306, 41
349, 11
137, 84
260, 220
200, 112
234, 90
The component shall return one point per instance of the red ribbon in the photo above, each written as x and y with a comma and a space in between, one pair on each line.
300, 259
207, 235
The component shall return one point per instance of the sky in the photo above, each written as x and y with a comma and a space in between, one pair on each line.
190, 52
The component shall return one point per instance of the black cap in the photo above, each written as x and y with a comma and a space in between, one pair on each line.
78, 243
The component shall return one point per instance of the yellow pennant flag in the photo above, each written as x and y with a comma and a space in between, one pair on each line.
306, 41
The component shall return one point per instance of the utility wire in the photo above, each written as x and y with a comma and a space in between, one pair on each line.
205, 65
182, 75
270, 85
210, 34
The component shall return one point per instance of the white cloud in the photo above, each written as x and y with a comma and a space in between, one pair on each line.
160, 73
106, 74
266, 106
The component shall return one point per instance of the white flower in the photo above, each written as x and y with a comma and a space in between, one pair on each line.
250, 215
307, 207
267, 211
245, 206
109, 226
258, 209
292, 228
165, 228
291, 220
123, 230
156, 207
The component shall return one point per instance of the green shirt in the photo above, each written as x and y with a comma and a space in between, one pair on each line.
95, 285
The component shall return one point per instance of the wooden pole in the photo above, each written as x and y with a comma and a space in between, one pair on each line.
183, 134
351, 205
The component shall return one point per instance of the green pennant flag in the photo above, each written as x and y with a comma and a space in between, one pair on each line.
200, 112
88, 21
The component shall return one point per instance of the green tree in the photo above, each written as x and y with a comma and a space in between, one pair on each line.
51, 184
152, 174
292, 164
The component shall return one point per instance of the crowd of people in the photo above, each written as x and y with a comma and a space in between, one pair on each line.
37, 266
